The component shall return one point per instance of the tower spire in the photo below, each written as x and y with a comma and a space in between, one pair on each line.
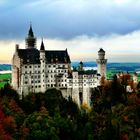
42, 47
30, 40
30, 33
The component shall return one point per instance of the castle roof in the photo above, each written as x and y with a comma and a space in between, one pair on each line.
87, 72
32, 56
42, 48
30, 33
101, 50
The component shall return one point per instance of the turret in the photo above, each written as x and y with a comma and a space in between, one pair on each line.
43, 64
101, 63
30, 40
81, 66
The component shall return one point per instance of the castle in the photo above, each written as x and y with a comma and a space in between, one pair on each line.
36, 70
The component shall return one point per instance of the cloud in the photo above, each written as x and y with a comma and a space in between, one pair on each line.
68, 19
119, 48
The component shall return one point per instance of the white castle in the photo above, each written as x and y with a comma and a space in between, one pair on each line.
36, 70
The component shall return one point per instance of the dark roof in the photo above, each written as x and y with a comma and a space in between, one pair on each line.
57, 56
87, 72
81, 63
42, 48
101, 50
30, 33
32, 56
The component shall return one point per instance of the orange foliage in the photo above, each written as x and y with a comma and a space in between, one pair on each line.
13, 105
124, 137
9, 120
25, 131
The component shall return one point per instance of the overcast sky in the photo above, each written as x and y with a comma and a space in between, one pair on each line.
81, 26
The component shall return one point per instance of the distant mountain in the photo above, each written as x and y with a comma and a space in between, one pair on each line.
113, 66
86, 64
110, 66
4, 67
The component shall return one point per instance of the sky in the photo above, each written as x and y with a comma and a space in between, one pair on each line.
81, 26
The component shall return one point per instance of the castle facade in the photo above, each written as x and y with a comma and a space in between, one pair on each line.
36, 70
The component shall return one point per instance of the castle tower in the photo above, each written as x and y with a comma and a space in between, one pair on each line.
81, 66
30, 40
101, 62
43, 62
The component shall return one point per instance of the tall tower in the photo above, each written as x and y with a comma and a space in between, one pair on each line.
101, 63
43, 62
80, 66
30, 40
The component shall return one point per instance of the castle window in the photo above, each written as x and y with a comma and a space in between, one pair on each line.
38, 81
38, 71
65, 85
53, 65
38, 76
26, 82
49, 66
25, 66
30, 66
39, 86
35, 86
51, 85
32, 81
38, 66
25, 72
59, 85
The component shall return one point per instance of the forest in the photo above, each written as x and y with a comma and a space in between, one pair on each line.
114, 114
